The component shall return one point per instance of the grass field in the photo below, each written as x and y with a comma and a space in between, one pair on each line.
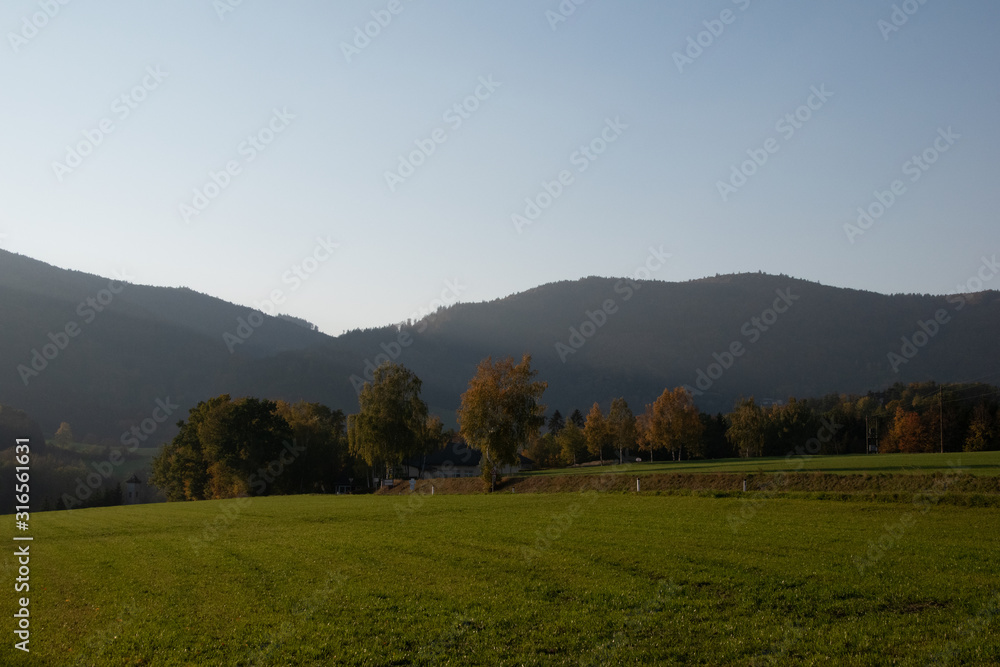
976, 463
512, 579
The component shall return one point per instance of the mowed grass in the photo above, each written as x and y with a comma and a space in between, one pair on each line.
974, 463
512, 579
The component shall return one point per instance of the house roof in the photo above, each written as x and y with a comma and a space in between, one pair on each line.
134, 479
457, 453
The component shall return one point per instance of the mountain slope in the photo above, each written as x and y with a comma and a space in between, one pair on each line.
591, 339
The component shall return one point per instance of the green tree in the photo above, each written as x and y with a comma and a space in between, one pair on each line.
544, 451
746, 428
222, 449
500, 410
556, 423
577, 418
391, 425
323, 435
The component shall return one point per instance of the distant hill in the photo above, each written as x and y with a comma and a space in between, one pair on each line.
153, 343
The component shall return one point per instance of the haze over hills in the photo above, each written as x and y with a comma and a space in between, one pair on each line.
591, 339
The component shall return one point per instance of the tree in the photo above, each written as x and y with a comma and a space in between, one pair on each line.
577, 418
391, 425
544, 451
64, 436
435, 435
572, 443
322, 432
500, 410
224, 450
621, 427
908, 433
644, 437
982, 430
788, 426
673, 422
556, 423
746, 428
596, 432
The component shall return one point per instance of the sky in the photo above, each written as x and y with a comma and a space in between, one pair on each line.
360, 162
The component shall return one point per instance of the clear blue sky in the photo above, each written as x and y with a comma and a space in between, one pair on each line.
655, 185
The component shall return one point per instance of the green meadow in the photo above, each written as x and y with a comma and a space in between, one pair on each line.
974, 463
512, 579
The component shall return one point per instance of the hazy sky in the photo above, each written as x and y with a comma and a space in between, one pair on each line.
309, 130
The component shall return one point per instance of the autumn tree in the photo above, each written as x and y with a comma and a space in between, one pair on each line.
64, 436
500, 410
672, 422
621, 427
746, 428
982, 429
908, 433
596, 432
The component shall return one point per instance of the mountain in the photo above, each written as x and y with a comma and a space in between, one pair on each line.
138, 347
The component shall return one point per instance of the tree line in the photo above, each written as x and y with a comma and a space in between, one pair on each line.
914, 418
251, 446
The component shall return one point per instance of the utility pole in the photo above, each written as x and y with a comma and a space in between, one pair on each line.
941, 407
871, 434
